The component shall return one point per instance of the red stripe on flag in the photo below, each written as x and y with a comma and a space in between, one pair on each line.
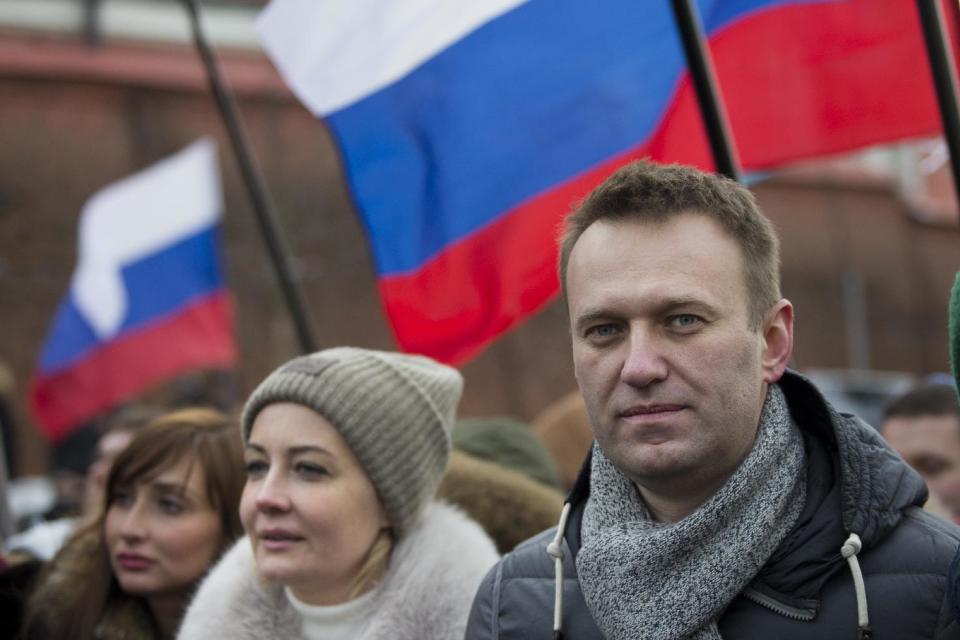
485, 284
200, 336
795, 94
513, 266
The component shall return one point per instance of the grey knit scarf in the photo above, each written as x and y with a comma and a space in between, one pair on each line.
643, 579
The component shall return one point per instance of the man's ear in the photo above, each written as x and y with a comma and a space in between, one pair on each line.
777, 340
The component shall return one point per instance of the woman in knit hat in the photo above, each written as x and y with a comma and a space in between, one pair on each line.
344, 451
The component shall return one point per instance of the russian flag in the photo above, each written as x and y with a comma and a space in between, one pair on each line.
469, 129
147, 300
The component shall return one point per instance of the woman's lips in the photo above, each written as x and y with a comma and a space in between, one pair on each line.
278, 539
134, 561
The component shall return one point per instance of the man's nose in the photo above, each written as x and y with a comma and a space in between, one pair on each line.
644, 363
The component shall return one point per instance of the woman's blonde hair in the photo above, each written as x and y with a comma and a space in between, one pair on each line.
374, 566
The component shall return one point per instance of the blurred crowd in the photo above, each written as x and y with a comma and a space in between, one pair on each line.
157, 478
692, 470
161, 494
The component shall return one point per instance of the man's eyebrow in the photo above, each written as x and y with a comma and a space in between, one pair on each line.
682, 300
591, 315
606, 312
685, 301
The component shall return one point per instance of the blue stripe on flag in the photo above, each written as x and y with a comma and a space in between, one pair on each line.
527, 101
156, 286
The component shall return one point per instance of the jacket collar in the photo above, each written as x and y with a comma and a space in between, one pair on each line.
875, 484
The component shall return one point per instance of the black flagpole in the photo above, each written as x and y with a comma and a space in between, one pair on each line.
705, 85
944, 77
262, 206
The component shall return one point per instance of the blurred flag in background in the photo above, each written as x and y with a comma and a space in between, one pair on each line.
468, 129
147, 300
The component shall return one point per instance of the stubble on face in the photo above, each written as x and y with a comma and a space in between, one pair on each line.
664, 352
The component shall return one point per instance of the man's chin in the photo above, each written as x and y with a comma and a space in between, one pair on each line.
654, 469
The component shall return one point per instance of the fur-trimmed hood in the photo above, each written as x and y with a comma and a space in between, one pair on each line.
510, 506
426, 594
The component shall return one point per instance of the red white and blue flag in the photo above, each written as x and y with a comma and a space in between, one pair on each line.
147, 300
468, 129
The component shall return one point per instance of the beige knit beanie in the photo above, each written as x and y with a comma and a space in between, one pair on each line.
394, 410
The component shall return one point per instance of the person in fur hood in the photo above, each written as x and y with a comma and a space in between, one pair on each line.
344, 451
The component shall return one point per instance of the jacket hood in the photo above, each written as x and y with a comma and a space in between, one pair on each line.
856, 484
876, 485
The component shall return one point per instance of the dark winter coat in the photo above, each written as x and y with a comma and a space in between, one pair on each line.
855, 483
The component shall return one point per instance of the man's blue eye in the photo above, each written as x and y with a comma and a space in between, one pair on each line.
684, 320
602, 331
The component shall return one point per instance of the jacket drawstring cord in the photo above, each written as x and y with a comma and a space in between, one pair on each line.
850, 549
556, 552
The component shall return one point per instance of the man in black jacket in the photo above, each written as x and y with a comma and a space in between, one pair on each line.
723, 496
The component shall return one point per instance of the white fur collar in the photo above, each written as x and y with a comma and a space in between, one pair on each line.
434, 573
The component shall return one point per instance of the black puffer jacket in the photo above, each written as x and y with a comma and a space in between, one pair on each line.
856, 484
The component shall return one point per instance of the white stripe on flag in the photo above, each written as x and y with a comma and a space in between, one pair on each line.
135, 217
334, 52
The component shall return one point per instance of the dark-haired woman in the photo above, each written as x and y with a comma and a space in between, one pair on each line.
171, 509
